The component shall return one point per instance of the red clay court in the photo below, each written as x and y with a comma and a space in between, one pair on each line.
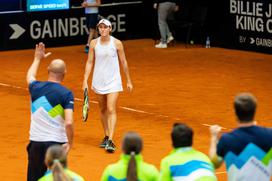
192, 85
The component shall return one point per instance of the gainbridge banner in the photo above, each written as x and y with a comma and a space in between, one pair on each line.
23, 29
243, 24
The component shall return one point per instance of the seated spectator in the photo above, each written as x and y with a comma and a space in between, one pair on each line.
184, 162
131, 166
56, 161
247, 149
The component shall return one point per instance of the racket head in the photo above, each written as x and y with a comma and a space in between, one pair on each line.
85, 108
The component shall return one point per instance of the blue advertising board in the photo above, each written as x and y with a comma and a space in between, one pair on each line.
45, 5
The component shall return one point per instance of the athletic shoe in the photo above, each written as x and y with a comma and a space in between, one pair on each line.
86, 49
104, 142
110, 147
161, 45
170, 38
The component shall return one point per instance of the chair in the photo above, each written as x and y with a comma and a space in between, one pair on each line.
193, 19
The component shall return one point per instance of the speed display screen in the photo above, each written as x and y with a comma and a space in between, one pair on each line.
46, 5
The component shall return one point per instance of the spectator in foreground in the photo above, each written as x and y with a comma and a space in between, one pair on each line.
184, 162
131, 166
56, 161
247, 149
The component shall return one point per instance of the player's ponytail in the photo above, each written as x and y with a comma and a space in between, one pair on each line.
58, 172
56, 161
131, 170
132, 145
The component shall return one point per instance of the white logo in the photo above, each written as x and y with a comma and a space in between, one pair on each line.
252, 40
18, 31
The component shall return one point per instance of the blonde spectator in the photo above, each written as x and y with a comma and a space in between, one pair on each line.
56, 161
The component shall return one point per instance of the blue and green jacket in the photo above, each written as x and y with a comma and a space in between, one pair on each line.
48, 176
187, 164
118, 171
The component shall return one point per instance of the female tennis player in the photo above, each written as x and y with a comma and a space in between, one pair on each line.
105, 54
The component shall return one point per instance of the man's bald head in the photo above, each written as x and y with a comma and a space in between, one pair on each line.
57, 66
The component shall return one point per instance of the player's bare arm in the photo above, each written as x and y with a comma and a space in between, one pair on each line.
123, 60
89, 64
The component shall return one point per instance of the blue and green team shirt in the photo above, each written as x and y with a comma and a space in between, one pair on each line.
48, 176
247, 152
48, 101
187, 164
118, 171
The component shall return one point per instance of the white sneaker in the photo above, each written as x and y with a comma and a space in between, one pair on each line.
170, 38
161, 45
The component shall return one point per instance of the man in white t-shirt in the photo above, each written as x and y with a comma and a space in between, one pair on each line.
52, 108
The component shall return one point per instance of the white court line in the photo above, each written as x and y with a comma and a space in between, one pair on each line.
81, 100
13, 86
122, 107
135, 110
209, 125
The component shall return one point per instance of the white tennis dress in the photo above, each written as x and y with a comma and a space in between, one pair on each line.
106, 76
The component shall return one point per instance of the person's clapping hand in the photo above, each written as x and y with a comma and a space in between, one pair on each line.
215, 130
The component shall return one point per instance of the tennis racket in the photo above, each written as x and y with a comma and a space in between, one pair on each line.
85, 108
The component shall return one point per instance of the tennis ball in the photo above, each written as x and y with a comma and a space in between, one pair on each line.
192, 42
